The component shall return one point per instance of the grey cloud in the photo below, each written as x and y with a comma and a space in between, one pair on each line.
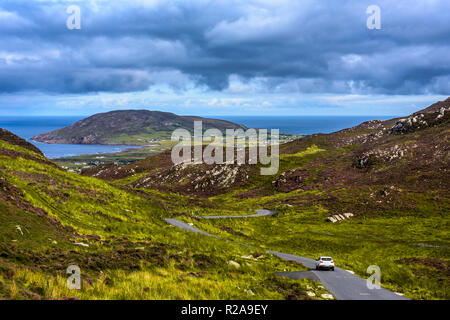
302, 46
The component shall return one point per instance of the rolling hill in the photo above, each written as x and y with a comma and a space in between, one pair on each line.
392, 175
411, 152
128, 127
51, 219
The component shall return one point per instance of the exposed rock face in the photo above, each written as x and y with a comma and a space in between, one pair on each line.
409, 124
366, 132
198, 179
376, 146
431, 116
385, 153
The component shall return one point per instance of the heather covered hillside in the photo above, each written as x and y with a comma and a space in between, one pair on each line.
128, 127
409, 153
212, 152
51, 219
393, 176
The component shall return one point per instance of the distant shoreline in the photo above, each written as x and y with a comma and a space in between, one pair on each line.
29, 126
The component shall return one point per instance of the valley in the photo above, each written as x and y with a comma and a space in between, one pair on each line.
110, 220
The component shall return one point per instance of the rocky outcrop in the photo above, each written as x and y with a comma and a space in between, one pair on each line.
199, 179
384, 153
409, 124
340, 217
290, 180
431, 116
234, 264
364, 161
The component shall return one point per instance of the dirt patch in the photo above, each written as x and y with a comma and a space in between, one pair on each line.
291, 180
290, 290
434, 263
232, 231
255, 193
204, 261
56, 261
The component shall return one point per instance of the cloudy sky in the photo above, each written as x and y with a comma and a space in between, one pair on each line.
255, 57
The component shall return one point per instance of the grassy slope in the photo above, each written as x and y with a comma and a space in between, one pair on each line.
401, 203
132, 253
411, 247
404, 230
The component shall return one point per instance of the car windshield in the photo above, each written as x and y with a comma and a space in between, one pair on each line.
326, 259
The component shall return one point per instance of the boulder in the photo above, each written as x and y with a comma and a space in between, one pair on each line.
233, 264
81, 244
331, 219
399, 128
340, 217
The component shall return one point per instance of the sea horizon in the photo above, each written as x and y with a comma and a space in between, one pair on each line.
29, 126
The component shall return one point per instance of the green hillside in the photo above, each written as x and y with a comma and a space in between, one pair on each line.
129, 127
51, 218
393, 176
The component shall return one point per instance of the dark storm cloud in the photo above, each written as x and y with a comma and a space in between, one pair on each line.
307, 46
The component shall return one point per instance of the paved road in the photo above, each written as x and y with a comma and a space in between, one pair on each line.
341, 283
260, 213
185, 226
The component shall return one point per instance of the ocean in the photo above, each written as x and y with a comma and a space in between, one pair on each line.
302, 125
27, 127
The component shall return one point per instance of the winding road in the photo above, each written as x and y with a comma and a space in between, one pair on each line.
260, 213
341, 283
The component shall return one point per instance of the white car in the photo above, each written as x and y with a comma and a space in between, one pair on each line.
325, 263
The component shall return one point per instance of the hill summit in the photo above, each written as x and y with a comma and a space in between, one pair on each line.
128, 127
